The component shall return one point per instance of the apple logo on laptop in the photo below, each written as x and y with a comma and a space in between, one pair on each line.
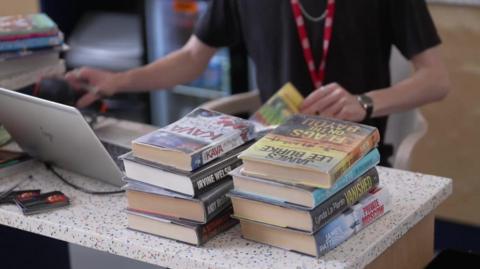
46, 134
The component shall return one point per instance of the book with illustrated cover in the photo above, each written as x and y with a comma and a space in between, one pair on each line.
370, 208
26, 26
181, 230
270, 211
195, 140
283, 104
309, 150
152, 200
192, 183
301, 195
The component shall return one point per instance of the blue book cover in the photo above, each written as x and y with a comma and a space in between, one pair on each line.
31, 43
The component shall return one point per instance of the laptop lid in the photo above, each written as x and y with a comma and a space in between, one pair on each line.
58, 134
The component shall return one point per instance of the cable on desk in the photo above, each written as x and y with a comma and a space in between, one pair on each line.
50, 168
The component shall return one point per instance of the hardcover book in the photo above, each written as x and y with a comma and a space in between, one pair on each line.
309, 150
301, 195
370, 208
192, 183
147, 199
272, 212
196, 139
31, 43
283, 104
181, 230
26, 26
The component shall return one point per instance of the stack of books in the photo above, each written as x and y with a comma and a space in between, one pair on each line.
309, 184
177, 176
30, 47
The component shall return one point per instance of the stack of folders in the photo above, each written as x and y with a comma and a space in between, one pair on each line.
30, 47
310, 184
177, 176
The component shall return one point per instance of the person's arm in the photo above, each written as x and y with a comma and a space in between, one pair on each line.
178, 67
428, 83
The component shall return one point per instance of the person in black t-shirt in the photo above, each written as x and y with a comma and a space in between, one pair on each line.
356, 81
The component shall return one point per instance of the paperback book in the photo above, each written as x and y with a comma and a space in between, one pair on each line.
283, 104
195, 140
181, 230
301, 195
309, 150
366, 211
147, 199
269, 211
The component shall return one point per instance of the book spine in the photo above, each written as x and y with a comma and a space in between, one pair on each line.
352, 221
204, 181
368, 144
343, 199
28, 35
216, 150
31, 43
218, 201
359, 168
218, 225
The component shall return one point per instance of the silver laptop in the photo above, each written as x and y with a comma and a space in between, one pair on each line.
59, 134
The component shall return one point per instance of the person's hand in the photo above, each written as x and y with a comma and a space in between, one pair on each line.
333, 101
96, 84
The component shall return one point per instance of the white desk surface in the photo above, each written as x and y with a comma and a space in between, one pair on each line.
99, 222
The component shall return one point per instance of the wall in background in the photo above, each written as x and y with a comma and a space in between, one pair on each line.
451, 147
18, 7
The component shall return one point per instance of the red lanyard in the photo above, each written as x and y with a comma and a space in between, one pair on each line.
316, 76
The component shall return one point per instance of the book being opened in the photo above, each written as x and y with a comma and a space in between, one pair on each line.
196, 139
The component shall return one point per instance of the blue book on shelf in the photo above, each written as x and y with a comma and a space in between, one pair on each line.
31, 43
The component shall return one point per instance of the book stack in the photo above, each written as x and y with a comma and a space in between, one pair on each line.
30, 47
309, 184
177, 176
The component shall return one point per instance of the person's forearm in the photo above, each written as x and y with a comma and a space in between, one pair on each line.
424, 86
178, 67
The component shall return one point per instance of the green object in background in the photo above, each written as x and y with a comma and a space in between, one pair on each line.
4, 136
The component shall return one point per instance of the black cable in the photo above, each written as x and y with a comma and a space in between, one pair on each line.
50, 168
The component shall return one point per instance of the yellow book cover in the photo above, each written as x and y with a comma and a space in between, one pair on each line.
312, 144
283, 104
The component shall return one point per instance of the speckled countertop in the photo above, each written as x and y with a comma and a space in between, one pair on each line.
99, 222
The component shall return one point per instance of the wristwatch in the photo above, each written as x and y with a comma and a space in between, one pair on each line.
367, 103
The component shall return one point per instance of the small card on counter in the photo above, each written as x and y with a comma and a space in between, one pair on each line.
19, 195
43, 202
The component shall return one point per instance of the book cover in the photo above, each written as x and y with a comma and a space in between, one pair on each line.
31, 25
374, 205
322, 147
319, 195
203, 232
283, 104
191, 183
318, 216
201, 135
212, 201
370, 208
31, 43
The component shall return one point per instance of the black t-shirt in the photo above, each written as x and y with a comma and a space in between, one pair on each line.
363, 33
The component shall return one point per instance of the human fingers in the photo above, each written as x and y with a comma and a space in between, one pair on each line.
335, 108
318, 107
315, 96
87, 99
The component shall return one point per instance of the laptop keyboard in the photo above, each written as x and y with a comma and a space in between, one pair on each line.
115, 151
